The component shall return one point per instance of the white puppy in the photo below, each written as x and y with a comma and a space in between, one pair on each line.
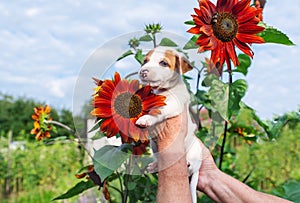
162, 69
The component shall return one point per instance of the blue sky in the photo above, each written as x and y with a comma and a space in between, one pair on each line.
46, 44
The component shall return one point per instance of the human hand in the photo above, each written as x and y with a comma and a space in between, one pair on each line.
207, 169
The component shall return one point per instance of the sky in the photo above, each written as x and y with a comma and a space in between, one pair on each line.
47, 47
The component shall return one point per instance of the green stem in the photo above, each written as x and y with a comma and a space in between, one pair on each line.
197, 88
121, 186
127, 179
116, 189
226, 123
70, 130
154, 40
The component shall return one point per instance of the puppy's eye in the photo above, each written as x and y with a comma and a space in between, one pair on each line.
145, 61
163, 63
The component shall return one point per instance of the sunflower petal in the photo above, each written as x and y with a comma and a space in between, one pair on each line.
247, 15
250, 29
225, 5
123, 124
117, 78
247, 38
102, 112
194, 30
109, 126
144, 92
47, 109
98, 102
134, 132
209, 5
231, 53
150, 103
207, 30
134, 85
243, 47
240, 6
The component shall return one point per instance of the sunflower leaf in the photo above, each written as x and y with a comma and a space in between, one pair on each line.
167, 42
225, 99
237, 92
127, 53
96, 126
77, 189
273, 35
139, 56
98, 135
189, 22
245, 63
146, 38
109, 158
191, 44
219, 97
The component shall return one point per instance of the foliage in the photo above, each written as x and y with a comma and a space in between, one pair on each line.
14, 116
289, 190
37, 169
269, 171
241, 143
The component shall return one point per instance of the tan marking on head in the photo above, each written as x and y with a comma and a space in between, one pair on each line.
170, 58
185, 65
147, 57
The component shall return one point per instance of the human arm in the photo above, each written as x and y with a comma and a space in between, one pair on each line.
221, 187
173, 184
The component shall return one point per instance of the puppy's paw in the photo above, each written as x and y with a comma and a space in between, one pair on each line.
145, 121
152, 167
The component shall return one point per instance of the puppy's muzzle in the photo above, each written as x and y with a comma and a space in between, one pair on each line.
144, 73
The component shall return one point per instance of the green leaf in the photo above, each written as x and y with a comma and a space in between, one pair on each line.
237, 92
83, 169
189, 22
96, 126
273, 35
77, 189
292, 190
98, 135
225, 99
219, 96
191, 44
127, 53
289, 190
109, 158
139, 56
253, 115
207, 82
167, 42
146, 38
131, 185
245, 63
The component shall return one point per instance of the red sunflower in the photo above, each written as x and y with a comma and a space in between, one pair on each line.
41, 128
120, 103
222, 27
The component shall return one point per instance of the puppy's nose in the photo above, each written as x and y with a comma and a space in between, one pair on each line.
144, 73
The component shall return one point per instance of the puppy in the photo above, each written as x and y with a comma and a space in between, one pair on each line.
162, 69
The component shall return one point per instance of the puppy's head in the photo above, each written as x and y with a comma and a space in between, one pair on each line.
162, 67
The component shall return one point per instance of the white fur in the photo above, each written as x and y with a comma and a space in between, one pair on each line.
169, 83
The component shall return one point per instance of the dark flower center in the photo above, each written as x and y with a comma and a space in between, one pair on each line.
224, 26
128, 105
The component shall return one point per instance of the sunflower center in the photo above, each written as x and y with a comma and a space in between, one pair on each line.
225, 26
128, 105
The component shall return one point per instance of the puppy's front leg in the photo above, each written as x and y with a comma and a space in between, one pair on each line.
149, 120
172, 109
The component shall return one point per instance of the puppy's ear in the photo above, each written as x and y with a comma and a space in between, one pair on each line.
177, 64
185, 65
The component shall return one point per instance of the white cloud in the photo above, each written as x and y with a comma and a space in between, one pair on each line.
45, 44
32, 12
